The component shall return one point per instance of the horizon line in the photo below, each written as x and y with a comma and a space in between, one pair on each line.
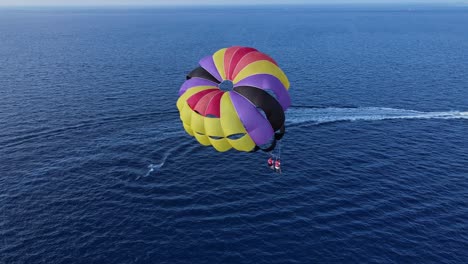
238, 4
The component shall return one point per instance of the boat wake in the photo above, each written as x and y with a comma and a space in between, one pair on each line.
301, 115
153, 167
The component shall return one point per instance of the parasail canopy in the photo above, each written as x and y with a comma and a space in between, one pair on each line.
236, 98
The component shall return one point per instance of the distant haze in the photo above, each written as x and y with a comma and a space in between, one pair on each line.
213, 2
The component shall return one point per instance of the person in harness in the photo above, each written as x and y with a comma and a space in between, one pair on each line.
270, 163
278, 166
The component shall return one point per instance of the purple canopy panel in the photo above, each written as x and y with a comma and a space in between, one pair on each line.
268, 82
208, 64
254, 122
195, 81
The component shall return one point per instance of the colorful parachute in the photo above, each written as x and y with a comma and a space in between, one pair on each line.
235, 99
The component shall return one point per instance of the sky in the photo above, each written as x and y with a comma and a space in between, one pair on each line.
212, 2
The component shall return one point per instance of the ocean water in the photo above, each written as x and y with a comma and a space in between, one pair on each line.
95, 166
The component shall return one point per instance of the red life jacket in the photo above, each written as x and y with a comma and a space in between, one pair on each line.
277, 164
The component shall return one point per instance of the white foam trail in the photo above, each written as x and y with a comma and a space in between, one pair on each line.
331, 114
154, 168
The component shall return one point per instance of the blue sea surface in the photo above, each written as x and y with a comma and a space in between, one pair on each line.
95, 166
